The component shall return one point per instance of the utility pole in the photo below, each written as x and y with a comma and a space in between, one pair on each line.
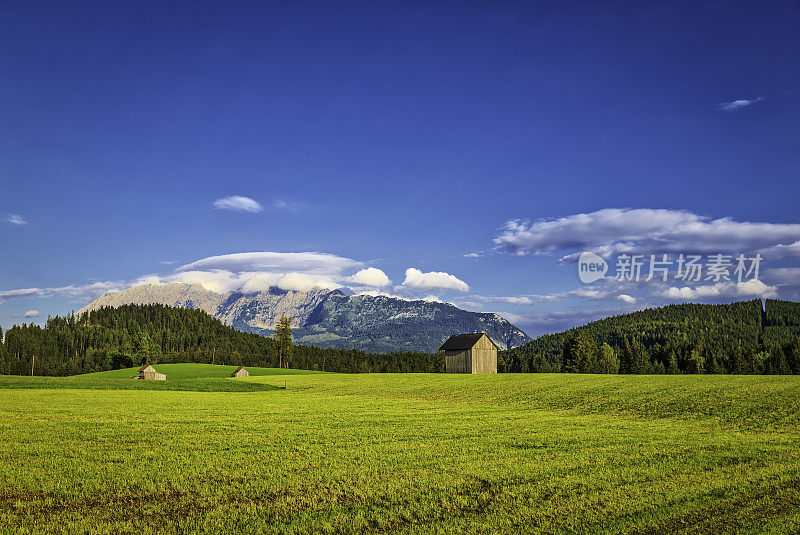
33, 361
213, 354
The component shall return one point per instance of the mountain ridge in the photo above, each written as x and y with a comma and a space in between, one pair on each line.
328, 318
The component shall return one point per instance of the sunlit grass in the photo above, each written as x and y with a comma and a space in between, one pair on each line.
406, 453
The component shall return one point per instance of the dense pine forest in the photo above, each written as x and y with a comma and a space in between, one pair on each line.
114, 338
739, 338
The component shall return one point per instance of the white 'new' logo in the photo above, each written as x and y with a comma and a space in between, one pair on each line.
591, 267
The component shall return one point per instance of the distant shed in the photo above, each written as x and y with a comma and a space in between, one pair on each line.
148, 373
240, 372
470, 353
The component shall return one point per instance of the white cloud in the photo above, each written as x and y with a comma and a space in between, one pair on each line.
433, 280
16, 219
238, 203
609, 290
246, 272
431, 299
224, 281
84, 291
258, 271
751, 288
756, 288
615, 230
307, 262
32, 314
471, 255
215, 280
513, 318
21, 292
782, 252
303, 282
625, 298
258, 282
734, 105
370, 277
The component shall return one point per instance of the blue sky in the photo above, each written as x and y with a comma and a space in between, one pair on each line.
397, 136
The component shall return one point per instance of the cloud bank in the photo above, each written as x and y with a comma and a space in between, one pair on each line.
253, 272
616, 230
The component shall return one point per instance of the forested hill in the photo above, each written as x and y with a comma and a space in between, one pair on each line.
113, 338
688, 338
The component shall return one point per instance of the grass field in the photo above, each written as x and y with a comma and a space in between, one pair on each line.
401, 453
195, 371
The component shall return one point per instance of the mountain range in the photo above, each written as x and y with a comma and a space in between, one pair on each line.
328, 318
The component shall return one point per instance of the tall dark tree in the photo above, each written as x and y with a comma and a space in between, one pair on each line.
697, 362
636, 359
283, 335
580, 354
609, 362
147, 350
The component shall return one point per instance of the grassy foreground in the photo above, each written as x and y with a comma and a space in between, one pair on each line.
402, 453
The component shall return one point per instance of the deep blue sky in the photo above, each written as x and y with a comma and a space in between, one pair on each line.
400, 134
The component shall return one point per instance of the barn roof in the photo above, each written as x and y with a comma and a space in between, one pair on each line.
143, 368
237, 369
459, 342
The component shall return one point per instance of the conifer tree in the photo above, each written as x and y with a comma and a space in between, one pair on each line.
609, 362
283, 335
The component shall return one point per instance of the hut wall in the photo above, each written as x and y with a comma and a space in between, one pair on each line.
152, 376
484, 356
458, 361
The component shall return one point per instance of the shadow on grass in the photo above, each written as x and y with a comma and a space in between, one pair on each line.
206, 384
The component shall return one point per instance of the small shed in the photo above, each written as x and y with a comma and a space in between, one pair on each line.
148, 373
470, 353
240, 372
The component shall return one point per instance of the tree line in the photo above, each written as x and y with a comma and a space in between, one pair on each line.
740, 338
737, 338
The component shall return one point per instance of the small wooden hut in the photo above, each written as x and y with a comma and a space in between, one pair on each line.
470, 353
148, 373
240, 372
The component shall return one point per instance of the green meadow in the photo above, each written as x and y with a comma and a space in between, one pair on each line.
286, 451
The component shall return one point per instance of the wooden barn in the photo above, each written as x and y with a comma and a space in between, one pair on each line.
148, 373
470, 353
240, 372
